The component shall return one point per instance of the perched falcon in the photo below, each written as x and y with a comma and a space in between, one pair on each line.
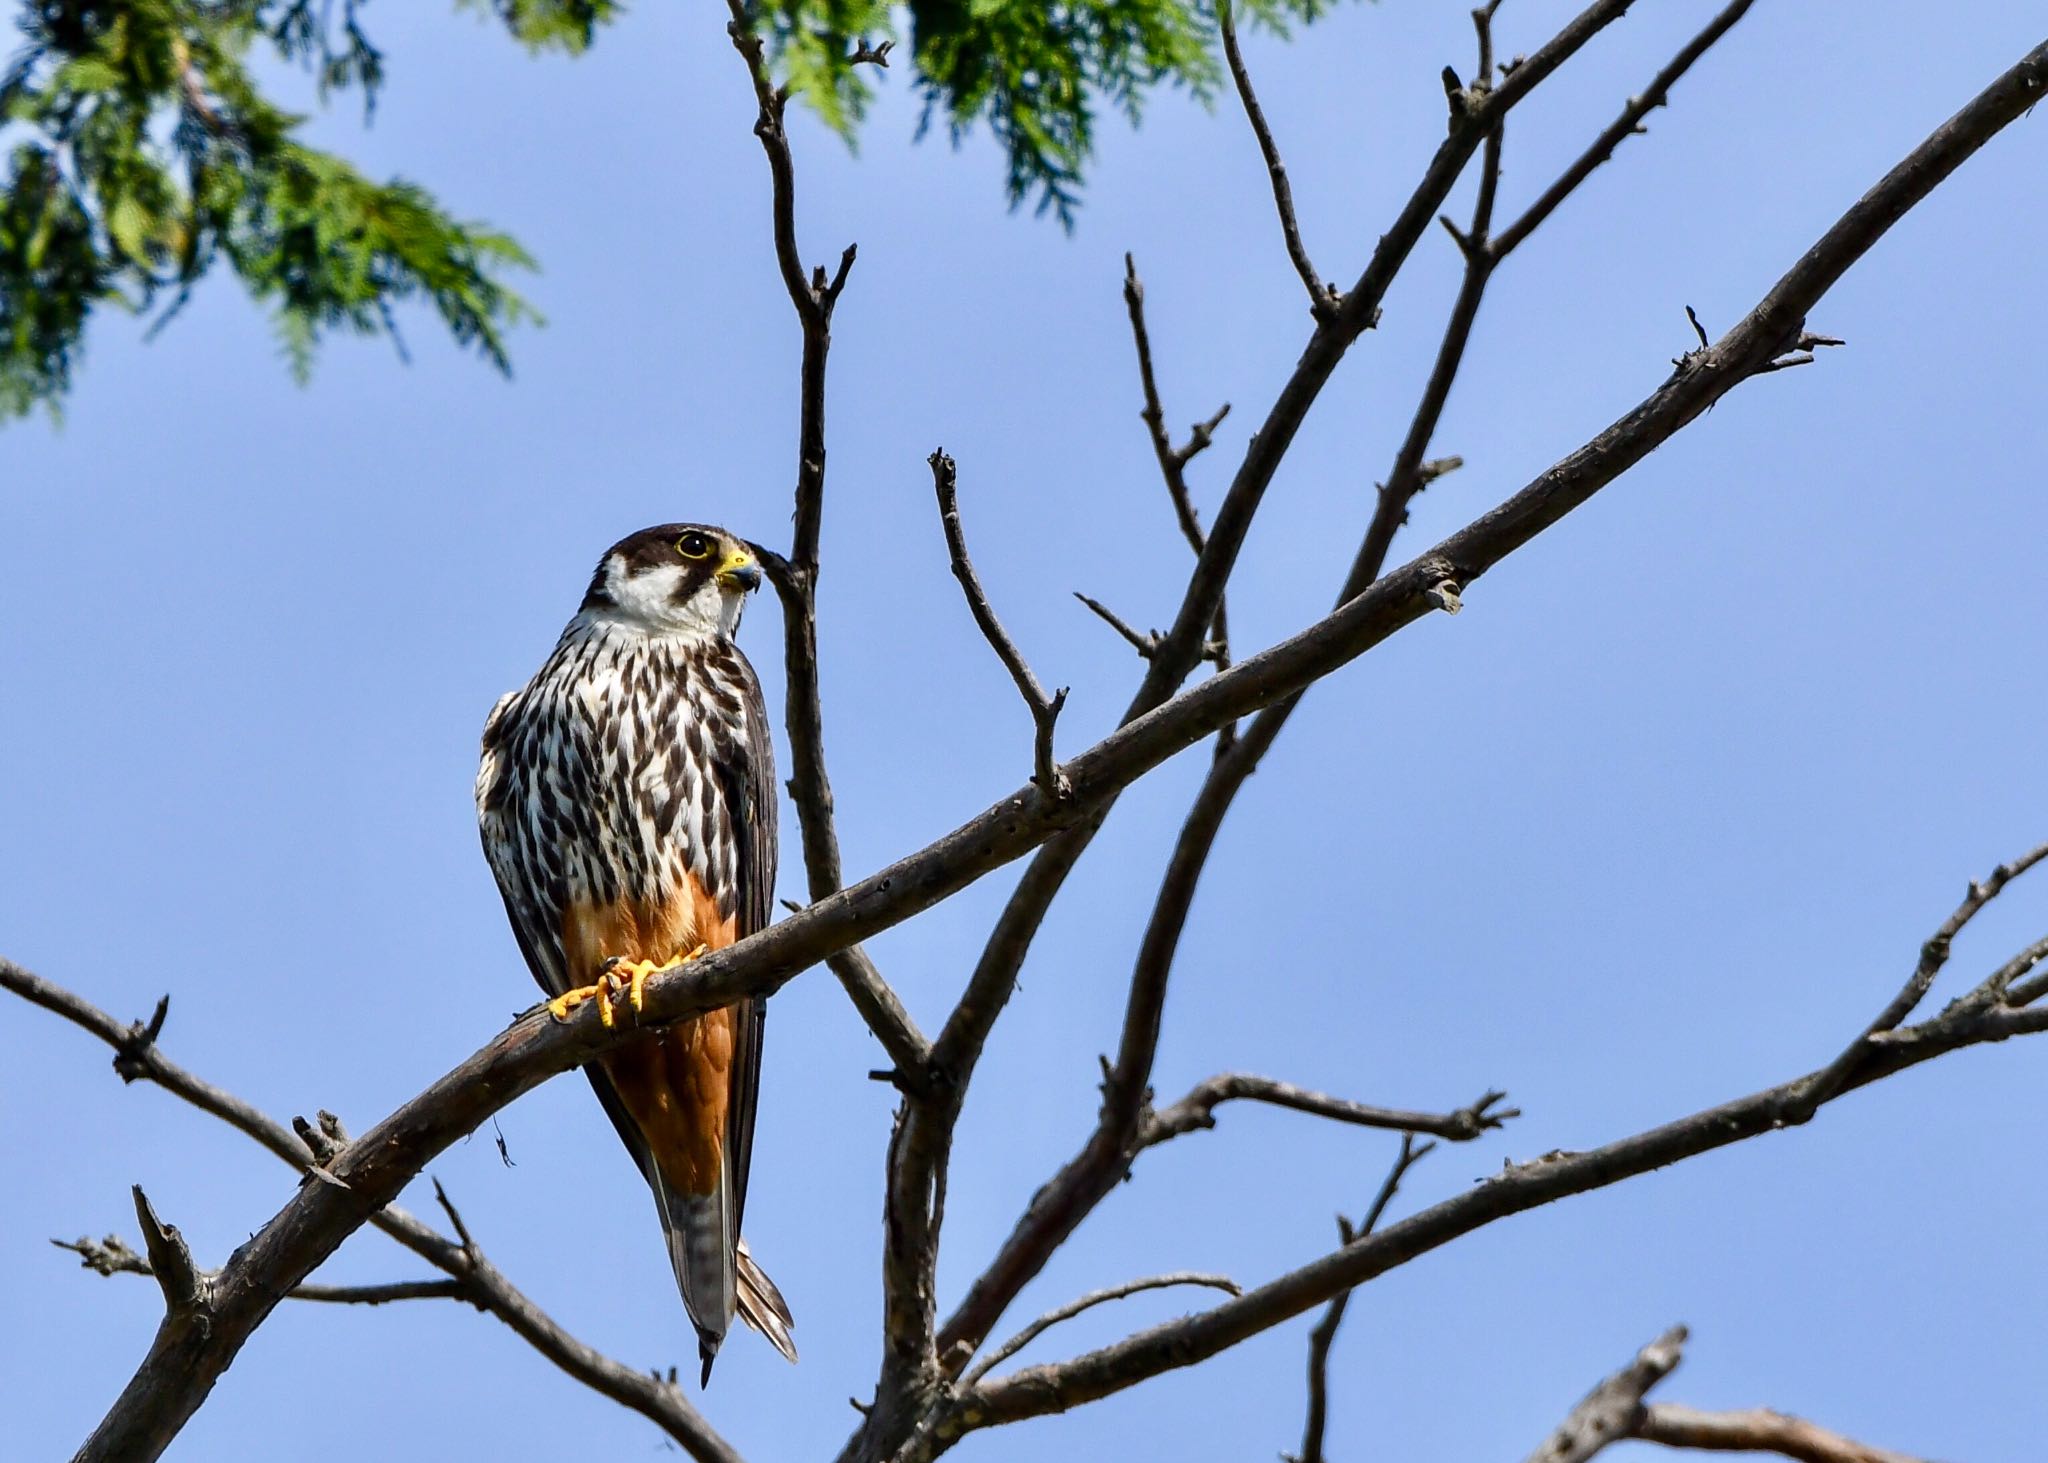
627, 804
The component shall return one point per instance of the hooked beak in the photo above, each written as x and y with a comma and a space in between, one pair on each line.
740, 572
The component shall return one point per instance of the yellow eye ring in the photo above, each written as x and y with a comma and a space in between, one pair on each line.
694, 546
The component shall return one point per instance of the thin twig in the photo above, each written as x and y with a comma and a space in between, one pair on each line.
1087, 1302
113, 1256
1144, 643
1324, 299
1198, 1110
1045, 710
1324, 1336
2006, 984
1626, 125
1934, 953
768, 127
1173, 460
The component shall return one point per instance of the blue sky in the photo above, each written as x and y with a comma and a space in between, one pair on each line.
1662, 818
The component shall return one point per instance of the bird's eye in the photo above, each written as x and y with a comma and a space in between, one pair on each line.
694, 546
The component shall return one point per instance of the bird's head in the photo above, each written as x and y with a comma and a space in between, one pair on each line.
685, 579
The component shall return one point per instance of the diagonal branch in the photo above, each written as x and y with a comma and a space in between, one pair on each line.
1144, 644
1608, 1413
1619, 130
186, 1291
138, 1058
181, 1368
1323, 297
1045, 710
1617, 1410
1933, 956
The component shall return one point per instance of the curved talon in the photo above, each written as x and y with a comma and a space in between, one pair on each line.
560, 1006
602, 992
634, 974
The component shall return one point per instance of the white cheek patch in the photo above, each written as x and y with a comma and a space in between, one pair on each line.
648, 600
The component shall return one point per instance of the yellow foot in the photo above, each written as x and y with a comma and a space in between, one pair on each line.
603, 992
635, 973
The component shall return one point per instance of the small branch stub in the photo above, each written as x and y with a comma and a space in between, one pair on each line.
1045, 709
170, 1259
129, 1055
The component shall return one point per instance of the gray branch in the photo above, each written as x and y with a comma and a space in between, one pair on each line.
1608, 1413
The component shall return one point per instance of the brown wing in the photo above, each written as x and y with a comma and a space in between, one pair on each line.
747, 771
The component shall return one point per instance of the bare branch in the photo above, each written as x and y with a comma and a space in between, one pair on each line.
1519, 1187
796, 578
1616, 1409
138, 1057
1323, 297
2005, 982
1126, 1128
1755, 1431
1324, 1336
1409, 474
1933, 956
1061, 1205
810, 788
775, 142
1198, 1110
1045, 710
1608, 1412
170, 1260
112, 1256
1628, 123
1173, 460
1087, 1302
1144, 644
182, 1367
958, 1046
864, 54
454, 1219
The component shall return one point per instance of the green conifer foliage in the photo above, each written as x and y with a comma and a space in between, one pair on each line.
140, 152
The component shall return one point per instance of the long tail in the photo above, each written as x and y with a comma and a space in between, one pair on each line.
762, 1305
717, 1276
701, 1248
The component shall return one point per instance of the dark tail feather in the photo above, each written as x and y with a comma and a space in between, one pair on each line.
761, 1305
700, 1250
